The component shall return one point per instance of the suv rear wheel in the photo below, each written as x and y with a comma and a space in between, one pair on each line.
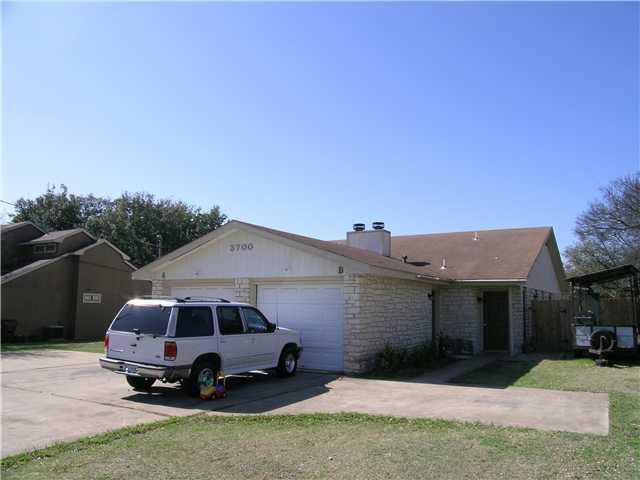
288, 363
201, 370
140, 383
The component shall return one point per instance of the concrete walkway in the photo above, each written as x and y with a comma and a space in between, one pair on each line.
50, 396
517, 407
459, 367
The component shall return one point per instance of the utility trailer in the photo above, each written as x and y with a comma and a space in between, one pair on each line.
615, 334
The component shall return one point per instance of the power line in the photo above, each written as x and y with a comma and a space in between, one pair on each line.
8, 203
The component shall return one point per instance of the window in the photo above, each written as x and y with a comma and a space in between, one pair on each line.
149, 319
256, 323
43, 249
229, 321
194, 322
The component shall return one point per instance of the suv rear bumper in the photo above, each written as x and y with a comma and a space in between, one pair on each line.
143, 370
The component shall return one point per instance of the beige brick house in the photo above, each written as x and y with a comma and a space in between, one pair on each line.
348, 298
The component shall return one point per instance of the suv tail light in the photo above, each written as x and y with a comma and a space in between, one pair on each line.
170, 350
106, 343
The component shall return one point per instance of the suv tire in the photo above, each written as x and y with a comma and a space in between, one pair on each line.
288, 363
140, 383
201, 368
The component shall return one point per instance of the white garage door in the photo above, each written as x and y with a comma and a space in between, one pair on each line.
317, 312
227, 293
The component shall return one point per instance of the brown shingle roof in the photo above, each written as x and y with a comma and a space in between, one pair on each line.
58, 236
506, 254
7, 227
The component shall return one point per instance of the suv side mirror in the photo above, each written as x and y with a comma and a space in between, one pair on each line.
271, 327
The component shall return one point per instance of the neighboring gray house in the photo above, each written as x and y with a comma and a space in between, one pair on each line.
348, 298
65, 281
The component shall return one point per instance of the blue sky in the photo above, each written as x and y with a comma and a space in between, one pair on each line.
310, 117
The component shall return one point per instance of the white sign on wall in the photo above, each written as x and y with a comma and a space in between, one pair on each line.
91, 298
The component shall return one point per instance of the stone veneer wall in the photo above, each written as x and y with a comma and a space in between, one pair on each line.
243, 290
380, 310
517, 319
460, 314
157, 287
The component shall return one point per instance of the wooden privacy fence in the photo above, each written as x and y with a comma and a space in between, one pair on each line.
551, 325
552, 321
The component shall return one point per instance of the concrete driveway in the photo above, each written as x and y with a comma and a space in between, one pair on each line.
50, 396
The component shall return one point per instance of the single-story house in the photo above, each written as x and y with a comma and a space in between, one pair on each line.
348, 298
62, 283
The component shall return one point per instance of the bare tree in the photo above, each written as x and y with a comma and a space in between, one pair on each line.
609, 230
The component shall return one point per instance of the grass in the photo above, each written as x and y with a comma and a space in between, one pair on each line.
360, 446
69, 345
578, 375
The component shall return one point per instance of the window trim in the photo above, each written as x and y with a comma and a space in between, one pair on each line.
244, 326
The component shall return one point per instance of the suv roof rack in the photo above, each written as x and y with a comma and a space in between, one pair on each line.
185, 299
160, 297
206, 299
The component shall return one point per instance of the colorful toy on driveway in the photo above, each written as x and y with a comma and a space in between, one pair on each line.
213, 386
207, 386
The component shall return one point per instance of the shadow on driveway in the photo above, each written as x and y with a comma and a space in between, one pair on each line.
254, 392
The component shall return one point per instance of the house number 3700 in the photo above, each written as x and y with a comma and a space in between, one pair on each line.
237, 247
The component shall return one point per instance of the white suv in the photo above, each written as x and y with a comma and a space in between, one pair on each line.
187, 340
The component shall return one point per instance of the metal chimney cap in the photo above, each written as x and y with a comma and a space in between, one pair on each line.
378, 225
358, 227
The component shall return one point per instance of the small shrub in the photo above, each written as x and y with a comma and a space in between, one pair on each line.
392, 359
421, 356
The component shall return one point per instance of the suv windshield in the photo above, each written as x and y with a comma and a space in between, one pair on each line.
150, 319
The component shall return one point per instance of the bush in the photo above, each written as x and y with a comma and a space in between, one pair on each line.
392, 359
421, 356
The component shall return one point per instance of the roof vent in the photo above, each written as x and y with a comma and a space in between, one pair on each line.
476, 237
444, 264
377, 225
358, 227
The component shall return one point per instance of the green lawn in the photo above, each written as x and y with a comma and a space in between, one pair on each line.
359, 446
578, 375
76, 346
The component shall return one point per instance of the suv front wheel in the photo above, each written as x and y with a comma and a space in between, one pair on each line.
288, 363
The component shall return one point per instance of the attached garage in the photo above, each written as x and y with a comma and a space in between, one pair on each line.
316, 311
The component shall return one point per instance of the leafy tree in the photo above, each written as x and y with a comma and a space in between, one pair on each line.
609, 230
59, 210
135, 222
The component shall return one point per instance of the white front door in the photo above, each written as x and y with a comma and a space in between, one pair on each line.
228, 293
314, 310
